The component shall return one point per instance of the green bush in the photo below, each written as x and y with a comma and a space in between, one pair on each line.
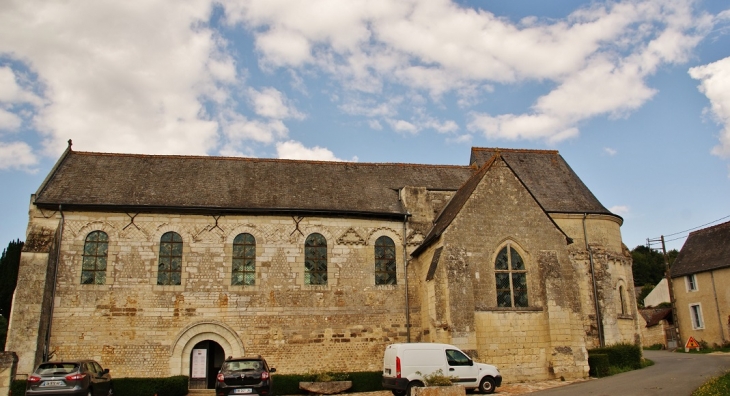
366, 381
655, 347
17, 388
621, 355
171, 386
598, 364
438, 378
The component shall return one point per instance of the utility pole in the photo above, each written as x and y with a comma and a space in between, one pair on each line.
668, 277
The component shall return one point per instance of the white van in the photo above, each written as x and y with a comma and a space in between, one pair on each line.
402, 364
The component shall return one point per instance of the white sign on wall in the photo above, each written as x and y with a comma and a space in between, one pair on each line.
200, 360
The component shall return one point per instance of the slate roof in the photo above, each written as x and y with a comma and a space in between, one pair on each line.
704, 250
108, 181
548, 177
655, 315
116, 182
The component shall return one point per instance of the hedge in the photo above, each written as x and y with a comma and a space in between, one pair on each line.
620, 355
365, 381
17, 388
170, 386
598, 365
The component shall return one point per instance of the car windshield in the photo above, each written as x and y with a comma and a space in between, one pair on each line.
57, 368
242, 365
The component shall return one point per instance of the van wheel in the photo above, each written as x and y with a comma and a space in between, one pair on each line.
487, 385
414, 384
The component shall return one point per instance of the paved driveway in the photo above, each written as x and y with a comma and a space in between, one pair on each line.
672, 374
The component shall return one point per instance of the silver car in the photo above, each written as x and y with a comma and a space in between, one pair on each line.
75, 378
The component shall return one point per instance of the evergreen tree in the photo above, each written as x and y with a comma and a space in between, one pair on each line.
9, 263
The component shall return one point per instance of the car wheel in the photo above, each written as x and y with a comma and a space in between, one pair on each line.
398, 392
487, 385
414, 384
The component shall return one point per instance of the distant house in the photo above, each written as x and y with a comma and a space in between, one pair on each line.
659, 295
700, 279
655, 324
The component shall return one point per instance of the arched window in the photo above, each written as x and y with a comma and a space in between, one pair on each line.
244, 260
169, 270
621, 299
385, 261
315, 260
93, 267
511, 276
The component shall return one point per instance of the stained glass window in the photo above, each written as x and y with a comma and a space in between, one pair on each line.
93, 266
511, 278
169, 269
315, 260
385, 261
244, 260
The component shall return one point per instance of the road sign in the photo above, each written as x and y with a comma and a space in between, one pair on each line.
691, 344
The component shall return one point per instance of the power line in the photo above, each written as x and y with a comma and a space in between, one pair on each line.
692, 229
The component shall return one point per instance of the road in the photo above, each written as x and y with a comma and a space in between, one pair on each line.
675, 374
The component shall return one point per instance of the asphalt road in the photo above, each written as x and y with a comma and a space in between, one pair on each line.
675, 374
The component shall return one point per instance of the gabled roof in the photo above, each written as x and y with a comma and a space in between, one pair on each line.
121, 182
457, 202
548, 178
704, 250
114, 181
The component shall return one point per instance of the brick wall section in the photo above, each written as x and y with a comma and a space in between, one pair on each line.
130, 323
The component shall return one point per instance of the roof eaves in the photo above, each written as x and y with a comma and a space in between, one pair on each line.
53, 171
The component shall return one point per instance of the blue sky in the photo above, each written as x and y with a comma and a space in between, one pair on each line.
634, 94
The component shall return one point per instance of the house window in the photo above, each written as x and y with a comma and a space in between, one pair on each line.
691, 282
93, 267
315, 260
511, 278
385, 261
695, 311
244, 260
169, 270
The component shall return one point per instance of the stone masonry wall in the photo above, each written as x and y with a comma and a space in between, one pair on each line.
138, 328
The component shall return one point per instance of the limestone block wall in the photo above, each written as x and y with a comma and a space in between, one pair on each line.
653, 335
713, 297
138, 328
8, 363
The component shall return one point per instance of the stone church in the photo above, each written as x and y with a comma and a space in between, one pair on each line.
138, 260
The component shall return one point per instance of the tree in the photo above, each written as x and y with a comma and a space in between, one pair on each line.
649, 265
9, 264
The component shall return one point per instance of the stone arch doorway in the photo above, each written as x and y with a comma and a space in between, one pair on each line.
182, 346
206, 360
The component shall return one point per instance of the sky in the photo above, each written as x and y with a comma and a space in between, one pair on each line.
634, 94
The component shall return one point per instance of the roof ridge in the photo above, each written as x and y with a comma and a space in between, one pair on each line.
710, 228
258, 159
512, 150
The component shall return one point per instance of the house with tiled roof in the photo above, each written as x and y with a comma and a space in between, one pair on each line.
137, 260
700, 279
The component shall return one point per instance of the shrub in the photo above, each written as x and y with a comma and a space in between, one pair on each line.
170, 386
621, 355
366, 381
437, 378
599, 366
655, 347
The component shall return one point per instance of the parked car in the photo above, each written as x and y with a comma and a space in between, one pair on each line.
405, 365
70, 378
245, 376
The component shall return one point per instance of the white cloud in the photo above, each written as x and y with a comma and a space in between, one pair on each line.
403, 126
620, 210
271, 103
610, 151
715, 84
17, 155
118, 76
295, 150
9, 121
607, 51
238, 129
